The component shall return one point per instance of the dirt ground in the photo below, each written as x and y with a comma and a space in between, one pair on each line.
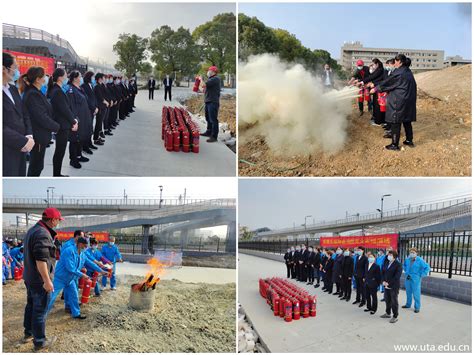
217, 261
187, 317
227, 111
442, 136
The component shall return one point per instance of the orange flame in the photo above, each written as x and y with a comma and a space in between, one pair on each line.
157, 269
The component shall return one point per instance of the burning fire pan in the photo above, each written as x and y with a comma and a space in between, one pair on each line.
142, 301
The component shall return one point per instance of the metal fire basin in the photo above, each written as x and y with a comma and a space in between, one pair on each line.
142, 301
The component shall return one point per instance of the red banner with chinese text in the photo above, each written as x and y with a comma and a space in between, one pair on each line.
379, 241
100, 236
25, 61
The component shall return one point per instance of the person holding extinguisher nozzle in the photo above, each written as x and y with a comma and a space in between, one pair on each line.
112, 253
17, 258
94, 253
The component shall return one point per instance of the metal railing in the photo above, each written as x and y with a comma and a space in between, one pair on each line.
21, 32
447, 252
413, 210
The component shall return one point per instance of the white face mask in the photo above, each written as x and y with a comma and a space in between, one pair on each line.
310, 249
111, 243
390, 257
292, 249
209, 74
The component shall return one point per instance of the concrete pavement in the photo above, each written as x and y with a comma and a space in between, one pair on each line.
136, 149
342, 327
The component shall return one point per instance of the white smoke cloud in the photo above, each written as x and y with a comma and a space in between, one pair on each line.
287, 106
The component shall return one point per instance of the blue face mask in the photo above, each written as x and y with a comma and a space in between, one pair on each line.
44, 87
16, 75
81, 81
93, 82
346, 253
371, 260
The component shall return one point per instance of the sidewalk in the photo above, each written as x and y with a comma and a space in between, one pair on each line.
342, 327
136, 149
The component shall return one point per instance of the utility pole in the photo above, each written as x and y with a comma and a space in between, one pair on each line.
184, 200
161, 195
381, 205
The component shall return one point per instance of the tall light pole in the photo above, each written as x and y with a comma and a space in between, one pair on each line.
184, 199
381, 205
161, 194
305, 217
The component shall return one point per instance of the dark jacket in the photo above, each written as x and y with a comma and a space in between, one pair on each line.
392, 275
62, 112
80, 108
41, 115
16, 126
170, 83
360, 266
90, 95
362, 73
337, 268
151, 84
347, 267
328, 269
311, 258
213, 90
38, 246
100, 96
376, 77
287, 257
401, 99
373, 277
305, 256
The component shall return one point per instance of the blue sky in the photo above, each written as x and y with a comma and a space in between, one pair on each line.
277, 203
443, 26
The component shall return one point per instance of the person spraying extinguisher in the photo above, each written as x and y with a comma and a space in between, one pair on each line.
17, 257
360, 73
95, 254
112, 253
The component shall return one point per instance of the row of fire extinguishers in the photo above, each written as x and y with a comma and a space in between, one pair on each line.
178, 130
86, 285
287, 300
364, 95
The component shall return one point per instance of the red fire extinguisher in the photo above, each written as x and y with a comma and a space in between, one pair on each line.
197, 82
82, 279
312, 301
366, 94
305, 307
296, 309
176, 140
361, 95
17, 274
382, 101
282, 307
86, 291
95, 276
276, 304
195, 141
288, 311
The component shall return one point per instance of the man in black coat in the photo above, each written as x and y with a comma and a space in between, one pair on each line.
361, 72
310, 265
39, 262
347, 272
303, 263
401, 101
296, 260
327, 78
317, 266
287, 258
103, 105
360, 266
113, 110
336, 271
167, 84
391, 282
151, 88
17, 131
328, 269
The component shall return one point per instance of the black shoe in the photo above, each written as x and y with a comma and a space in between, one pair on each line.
366, 310
97, 142
109, 133
75, 165
361, 113
417, 311
387, 135
382, 300
67, 310
212, 140
355, 302
46, 344
93, 147
372, 312
409, 143
392, 147
342, 298
206, 134
88, 151
64, 175
80, 316
316, 286
83, 159
405, 306
362, 304
348, 299
329, 293
309, 283
101, 134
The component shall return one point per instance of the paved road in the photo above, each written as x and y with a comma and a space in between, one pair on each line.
184, 274
343, 327
136, 149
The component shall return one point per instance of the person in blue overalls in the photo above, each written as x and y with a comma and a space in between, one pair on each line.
94, 253
7, 259
17, 258
415, 269
112, 253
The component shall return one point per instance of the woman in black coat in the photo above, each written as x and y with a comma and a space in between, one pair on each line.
80, 108
373, 279
336, 271
347, 272
328, 266
88, 88
62, 114
41, 115
376, 76
401, 101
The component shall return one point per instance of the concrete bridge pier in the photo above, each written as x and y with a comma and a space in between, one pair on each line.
231, 237
147, 241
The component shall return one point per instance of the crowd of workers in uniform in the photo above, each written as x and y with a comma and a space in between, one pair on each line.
51, 267
394, 87
41, 109
342, 269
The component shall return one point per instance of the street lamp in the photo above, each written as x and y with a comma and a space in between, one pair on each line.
381, 205
52, 192
305, 217
161, 194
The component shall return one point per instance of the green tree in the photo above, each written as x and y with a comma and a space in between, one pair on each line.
217, 41
255, 37
146, 69
174, 51
131, 50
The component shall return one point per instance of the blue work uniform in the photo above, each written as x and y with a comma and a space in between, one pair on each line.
96, 255
6, 255
415, 270
17, 257
112, 253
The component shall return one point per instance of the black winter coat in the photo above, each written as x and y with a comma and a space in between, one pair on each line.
62, 112
401, 99
347, 267
80, 108
373, 277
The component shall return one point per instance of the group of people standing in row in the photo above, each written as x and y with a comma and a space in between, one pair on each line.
367, 273
394, 87
39, 110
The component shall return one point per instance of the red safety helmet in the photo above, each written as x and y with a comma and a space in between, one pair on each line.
214, 69
52, 212
360, 62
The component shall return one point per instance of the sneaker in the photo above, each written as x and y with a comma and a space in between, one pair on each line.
26, 339
417, 311
392, 147
47, 343
409, 143
405, 306
385, 316
80, 317
372, 123
113, 288
393, 320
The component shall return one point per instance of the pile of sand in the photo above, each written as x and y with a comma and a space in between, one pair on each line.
187, 317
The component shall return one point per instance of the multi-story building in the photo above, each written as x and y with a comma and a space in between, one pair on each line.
456, 60
421, 59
